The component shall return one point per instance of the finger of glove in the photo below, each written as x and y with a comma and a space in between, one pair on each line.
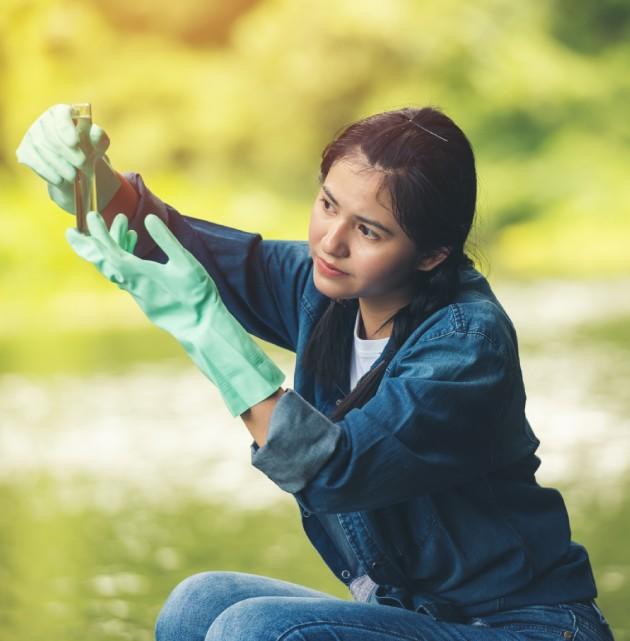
165, 239
99, 140
91, 250
62, 116
118, 230
98, 229
51, 133
132, 239
63, 168
27, 155
85, 246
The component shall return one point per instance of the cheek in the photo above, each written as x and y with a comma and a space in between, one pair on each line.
315, 231
384, 271
374, 269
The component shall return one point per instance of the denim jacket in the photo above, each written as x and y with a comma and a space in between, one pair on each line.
429, 489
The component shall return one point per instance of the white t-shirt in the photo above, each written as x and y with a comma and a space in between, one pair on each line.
364, 353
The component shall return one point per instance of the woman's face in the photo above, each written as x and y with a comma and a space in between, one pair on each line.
356, 233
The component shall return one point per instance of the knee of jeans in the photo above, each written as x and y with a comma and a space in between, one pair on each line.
244, 620
186, 604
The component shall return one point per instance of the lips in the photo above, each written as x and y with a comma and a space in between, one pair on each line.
331, 267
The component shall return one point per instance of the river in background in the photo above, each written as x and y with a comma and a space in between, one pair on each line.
116, 486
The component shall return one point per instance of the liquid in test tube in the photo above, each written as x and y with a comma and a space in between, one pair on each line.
84, 186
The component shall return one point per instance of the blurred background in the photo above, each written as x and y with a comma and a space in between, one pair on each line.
121, 472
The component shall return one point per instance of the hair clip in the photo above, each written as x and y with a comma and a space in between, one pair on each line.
412, 121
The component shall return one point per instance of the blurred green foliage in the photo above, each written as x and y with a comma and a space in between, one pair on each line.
591, 27
225, 108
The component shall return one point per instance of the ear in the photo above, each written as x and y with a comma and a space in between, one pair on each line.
433, 259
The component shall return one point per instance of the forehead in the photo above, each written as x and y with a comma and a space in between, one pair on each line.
358, 187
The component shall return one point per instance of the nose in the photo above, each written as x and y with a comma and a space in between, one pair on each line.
334, 242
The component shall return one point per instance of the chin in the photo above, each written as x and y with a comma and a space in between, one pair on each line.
329, 289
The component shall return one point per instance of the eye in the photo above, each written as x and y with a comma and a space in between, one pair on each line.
373, 236
326, 205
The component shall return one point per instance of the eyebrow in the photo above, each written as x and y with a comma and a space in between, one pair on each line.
363, 219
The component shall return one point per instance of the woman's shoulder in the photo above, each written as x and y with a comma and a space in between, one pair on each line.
475, 312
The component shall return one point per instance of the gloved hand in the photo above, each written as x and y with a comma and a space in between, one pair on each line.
181, 298
53, 149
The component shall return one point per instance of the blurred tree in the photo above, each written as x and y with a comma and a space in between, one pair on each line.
237, 131
516, 131
3, 137
591, 26
192, 22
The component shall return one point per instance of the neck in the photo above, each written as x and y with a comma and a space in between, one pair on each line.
375, 310
372, 318
364, 334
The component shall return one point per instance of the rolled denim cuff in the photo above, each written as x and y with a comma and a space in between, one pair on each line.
148, 203
300, 440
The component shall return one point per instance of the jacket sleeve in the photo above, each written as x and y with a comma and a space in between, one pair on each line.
260, 281
430, 426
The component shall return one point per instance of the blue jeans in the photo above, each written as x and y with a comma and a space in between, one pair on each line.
233, 606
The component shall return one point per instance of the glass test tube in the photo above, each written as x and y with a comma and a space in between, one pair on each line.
84, 185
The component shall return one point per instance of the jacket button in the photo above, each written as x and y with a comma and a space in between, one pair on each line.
306, 514
338, 401
345, 574
567, 634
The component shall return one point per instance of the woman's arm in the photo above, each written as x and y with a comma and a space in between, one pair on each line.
452, 411
181, 298
260, 281
257, 418
125, 201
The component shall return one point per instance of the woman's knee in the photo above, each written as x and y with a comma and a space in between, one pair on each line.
268, 618
192, 606
246, 620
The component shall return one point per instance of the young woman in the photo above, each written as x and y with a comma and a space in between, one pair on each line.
404, 441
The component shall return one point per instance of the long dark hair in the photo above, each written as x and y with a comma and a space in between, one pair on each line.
428, 168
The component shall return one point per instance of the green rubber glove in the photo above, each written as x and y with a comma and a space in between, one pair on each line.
53, 150
181, 298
